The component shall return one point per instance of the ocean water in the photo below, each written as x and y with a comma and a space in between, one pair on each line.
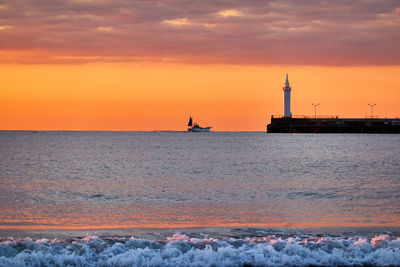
63, 184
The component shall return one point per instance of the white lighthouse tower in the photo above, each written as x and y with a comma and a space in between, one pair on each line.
286, 91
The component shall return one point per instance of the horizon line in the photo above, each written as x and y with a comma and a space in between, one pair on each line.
150, 131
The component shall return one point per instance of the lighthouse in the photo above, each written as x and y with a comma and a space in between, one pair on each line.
286, 94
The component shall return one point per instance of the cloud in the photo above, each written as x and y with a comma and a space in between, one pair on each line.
104, 29
208, 25
4, 27
315, 32
230, 13
178, 22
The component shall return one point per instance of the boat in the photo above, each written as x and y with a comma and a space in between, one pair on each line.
194, 127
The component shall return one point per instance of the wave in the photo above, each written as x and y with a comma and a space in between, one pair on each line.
181, 250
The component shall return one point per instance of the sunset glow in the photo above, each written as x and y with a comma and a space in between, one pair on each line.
116, 65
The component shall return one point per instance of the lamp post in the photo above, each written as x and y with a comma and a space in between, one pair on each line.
372, 109
315, 109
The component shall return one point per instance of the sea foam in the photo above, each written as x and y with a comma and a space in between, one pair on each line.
181, 250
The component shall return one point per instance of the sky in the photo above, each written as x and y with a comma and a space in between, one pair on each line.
149, 64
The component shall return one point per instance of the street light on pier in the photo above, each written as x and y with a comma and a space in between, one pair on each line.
372, 109
315, 109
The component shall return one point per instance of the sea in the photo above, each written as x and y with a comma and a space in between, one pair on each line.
75, 198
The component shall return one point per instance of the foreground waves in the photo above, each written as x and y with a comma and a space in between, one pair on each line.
181, 250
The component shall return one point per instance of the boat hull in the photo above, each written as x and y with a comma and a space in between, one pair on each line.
199, 130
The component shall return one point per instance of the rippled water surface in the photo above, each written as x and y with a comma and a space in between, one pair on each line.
169, 179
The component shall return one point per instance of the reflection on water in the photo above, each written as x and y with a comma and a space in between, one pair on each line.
118, 179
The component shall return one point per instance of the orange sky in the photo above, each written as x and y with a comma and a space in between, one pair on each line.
147, 65
148, 96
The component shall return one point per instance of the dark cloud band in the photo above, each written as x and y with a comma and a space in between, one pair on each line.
313, 32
